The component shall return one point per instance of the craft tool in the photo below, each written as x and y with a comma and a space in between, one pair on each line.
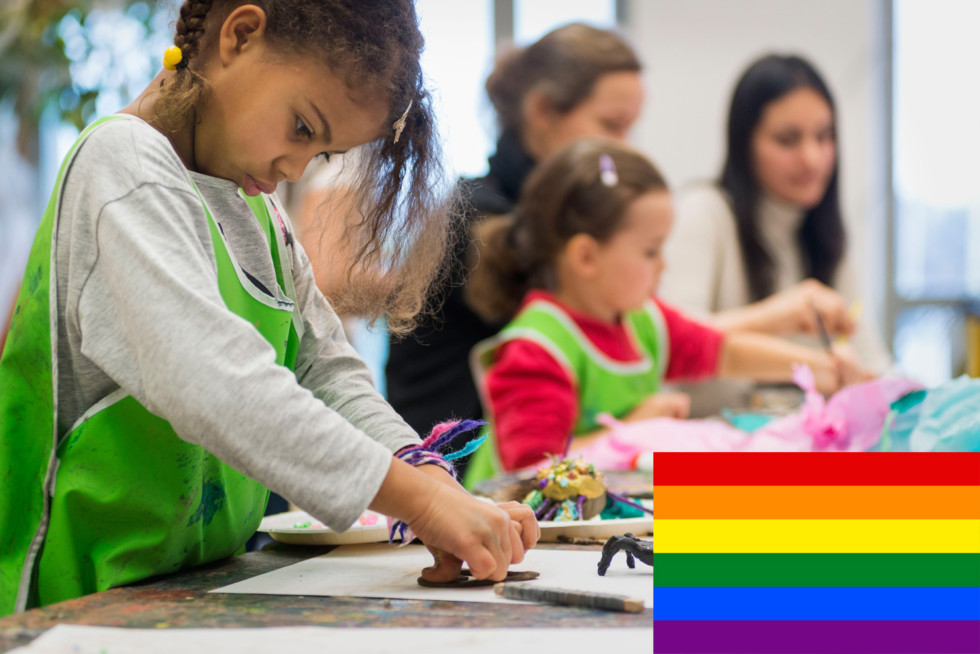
825, 339
563, 597
854, 313
822, 329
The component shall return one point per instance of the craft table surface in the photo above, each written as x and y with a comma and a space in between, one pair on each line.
182, 600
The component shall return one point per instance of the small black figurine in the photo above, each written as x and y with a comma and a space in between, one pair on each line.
630, 544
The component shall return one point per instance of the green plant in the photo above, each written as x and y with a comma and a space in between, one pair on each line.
42, 45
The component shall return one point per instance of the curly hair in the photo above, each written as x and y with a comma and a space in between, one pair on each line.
370, 44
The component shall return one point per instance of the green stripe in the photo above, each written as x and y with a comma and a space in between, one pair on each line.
817, 570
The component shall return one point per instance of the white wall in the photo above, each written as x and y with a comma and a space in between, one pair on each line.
694, 52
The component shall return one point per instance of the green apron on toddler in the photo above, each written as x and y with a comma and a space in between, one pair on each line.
602, 384
119, 497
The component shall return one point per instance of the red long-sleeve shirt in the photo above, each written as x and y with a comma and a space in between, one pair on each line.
533, 401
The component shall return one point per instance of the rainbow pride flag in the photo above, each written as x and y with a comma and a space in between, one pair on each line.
822, 553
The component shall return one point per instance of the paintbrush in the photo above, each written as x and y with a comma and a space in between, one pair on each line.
827, 344
822, 329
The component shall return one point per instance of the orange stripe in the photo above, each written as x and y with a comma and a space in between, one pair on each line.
817, 502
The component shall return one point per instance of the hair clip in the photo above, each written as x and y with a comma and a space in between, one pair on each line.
607, 171
399, 124
173, 58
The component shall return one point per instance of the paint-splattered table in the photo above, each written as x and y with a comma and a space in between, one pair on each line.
182, 600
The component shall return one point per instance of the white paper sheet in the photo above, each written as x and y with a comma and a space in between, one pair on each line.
77, 639
379, 570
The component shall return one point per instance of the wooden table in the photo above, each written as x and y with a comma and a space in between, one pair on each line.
182, 600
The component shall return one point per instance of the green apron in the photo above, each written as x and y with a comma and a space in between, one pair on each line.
120, 497
603, 385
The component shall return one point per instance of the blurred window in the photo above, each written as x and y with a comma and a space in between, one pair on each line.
936, 138
535, 18
458, 57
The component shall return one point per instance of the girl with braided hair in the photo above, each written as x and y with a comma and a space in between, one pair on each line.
171, 359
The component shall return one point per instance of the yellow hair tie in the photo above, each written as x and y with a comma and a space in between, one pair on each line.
172, 58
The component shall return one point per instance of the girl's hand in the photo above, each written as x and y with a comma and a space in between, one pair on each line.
826, 374
791, 311
457, 527
851, 372
831, 372
661, 405
523, 524
447, 566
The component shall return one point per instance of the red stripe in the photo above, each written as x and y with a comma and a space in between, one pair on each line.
816, 468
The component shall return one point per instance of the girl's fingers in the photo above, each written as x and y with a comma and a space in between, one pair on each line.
522, 516
530, 529
483, 564
516, 546
504, 547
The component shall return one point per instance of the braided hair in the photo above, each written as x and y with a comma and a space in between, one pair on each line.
401, 190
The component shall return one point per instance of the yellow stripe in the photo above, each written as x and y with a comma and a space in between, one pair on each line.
817, 536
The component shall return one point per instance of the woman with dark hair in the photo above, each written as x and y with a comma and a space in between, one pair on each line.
768, 237
576, 82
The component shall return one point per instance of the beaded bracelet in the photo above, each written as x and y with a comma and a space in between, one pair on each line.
430, 452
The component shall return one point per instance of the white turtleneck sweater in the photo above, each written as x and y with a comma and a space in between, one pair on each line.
706, 274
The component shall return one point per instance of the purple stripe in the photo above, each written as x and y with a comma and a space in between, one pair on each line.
816, 637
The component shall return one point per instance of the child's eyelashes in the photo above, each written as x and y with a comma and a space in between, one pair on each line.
302, 129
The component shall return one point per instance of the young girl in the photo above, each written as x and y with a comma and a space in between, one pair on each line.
170, 356
583, 250
575, 82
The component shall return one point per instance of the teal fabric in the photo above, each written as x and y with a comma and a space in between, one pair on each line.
949, 420
942, 419
746, 421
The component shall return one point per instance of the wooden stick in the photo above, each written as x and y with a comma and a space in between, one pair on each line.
563, 597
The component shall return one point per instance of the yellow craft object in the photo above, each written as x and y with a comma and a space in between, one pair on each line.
569, 478
172, 57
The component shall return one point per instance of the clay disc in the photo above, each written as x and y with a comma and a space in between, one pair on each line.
465, 580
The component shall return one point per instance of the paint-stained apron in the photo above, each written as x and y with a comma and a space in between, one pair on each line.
119, 497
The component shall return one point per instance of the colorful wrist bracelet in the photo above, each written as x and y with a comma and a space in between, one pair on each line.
436, 450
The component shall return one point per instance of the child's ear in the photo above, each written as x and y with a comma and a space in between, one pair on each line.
582, 254
243, 28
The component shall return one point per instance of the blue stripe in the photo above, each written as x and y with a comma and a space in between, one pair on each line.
816, 603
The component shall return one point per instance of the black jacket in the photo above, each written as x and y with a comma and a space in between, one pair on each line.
428, 374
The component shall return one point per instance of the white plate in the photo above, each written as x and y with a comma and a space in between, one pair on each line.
286, 528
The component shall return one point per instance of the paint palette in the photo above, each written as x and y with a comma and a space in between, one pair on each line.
300, 528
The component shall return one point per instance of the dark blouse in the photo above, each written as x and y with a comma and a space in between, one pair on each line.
428, 374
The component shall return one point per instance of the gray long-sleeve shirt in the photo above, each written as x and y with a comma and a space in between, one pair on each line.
139, 309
